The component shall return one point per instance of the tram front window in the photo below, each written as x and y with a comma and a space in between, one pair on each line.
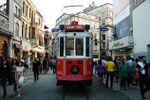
70, 47
79, 46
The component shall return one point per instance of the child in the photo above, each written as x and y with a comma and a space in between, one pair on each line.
20, 78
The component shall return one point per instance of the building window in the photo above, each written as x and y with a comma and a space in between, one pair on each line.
135, 3
103, 44
26, 10
17, 12
30, 31
103, 22
33, 33
40, 40
4, 6
17, 30
104, 37
26, 30
30, 12
22, 29
23, 7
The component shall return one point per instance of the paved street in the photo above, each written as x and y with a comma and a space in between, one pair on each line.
45, 89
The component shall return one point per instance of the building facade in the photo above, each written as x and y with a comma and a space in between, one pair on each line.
28, 18
37, 44
141, 23
6, 27
96, 17
123, 42
104, 15
17, 32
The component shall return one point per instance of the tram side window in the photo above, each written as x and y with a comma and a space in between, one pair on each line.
70, 46
87, 46
61, 46
79, 46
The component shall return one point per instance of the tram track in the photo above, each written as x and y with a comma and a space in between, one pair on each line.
75, 93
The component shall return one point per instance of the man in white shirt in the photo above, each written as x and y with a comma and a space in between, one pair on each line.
142, 77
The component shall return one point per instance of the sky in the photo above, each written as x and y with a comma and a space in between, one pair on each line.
53, 9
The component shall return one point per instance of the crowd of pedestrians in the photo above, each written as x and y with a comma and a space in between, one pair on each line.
125, 72
13, 72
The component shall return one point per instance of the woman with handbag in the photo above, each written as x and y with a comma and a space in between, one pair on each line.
20, 70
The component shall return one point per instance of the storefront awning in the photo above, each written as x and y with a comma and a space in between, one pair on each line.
38, 49
16, 45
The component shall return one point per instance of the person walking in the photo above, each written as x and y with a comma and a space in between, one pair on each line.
116, 62
9, 69
13, 74
4, 76
54, 65
143, 78
130, 66
35, 69
40, 65
110, 68
20, 74
45, 65
101, 71
123, 72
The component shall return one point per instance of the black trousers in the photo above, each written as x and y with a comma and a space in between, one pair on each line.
54, 69
36, 75
123, 82
4, 81
109, 75
143, 84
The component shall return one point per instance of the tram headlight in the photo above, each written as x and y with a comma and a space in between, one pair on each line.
75, 70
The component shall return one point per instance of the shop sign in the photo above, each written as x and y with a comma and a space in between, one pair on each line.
122, 43
118, 44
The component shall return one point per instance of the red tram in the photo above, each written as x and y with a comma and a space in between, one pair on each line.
74, 56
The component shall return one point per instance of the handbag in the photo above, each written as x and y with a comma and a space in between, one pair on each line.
21, 80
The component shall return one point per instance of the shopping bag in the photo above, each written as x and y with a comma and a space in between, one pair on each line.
21, 80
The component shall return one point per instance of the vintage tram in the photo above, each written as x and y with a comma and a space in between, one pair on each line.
74, 56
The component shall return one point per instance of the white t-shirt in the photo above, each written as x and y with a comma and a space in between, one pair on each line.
142, 66
19, 70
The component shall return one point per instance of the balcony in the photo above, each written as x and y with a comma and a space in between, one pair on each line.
4, 24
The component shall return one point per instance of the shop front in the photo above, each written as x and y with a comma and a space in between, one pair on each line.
122, 47
38, 52
17, 50
4, 44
